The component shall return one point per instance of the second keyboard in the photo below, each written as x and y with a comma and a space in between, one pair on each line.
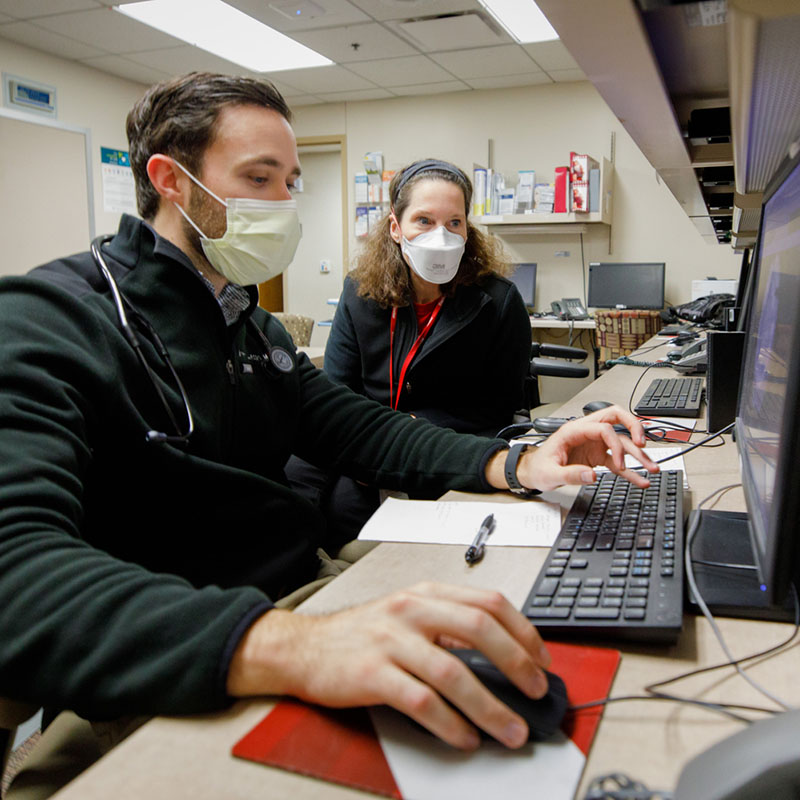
671, 397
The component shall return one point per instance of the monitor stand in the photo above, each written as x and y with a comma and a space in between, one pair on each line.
723, 537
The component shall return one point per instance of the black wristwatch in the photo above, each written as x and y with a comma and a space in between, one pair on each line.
512, 460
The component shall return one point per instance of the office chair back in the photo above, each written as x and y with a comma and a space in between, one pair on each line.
298, 327
12, 714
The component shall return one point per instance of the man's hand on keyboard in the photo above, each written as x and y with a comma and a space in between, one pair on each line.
569, 455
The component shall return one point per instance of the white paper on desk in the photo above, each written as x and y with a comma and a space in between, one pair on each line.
533, 523
656, 454
426, 768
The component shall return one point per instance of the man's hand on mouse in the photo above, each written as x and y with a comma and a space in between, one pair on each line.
569, 455
392, 651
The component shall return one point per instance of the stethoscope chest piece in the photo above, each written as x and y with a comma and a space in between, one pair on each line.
280, 359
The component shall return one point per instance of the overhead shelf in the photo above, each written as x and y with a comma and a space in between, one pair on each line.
556, 223
675, 59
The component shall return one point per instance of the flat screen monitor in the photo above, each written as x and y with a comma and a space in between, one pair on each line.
635, 285
524, 277
768, 418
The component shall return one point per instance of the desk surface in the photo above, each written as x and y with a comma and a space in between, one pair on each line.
651, 741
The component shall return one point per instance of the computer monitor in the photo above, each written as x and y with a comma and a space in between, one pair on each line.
767, 422
636, 285
524, 277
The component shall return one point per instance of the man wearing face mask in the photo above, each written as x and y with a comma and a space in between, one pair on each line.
150, 544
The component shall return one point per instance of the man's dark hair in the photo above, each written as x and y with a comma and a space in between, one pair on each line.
178, 118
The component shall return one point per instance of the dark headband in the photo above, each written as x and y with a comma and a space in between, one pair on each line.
428, 165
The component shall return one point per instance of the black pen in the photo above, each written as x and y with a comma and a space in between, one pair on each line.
475, 551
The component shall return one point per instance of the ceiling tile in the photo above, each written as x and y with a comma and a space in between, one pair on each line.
551, 55
125, 68
27, 9
401, 71
430, 88
110, 30
321, 79
53, 43
186, 58
452, 33
566, 75
407, 9
338, 12
373, 40
505, 81
360, 94
483, 62
302, 100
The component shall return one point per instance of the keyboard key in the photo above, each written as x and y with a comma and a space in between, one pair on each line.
553, 612
597, 613
547, 586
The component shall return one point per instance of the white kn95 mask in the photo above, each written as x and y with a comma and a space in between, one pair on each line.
435, 255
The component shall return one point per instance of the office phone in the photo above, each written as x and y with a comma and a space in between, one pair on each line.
569, 308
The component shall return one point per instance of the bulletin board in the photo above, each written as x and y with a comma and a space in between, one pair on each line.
46, 202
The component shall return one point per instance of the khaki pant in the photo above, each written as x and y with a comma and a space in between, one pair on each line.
69, 745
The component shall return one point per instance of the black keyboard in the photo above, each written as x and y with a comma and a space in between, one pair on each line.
616, 568
671, 397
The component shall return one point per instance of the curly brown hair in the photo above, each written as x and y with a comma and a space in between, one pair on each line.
381, 271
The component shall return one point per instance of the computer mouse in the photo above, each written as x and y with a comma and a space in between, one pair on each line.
595, 405
543, 716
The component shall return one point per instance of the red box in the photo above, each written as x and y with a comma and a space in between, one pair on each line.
580, 196
579, 166
562, 189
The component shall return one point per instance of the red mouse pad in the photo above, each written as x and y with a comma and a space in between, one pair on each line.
341, 746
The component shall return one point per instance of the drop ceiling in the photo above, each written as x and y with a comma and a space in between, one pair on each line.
380, 48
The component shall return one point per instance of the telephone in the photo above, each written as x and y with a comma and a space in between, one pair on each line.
569, 308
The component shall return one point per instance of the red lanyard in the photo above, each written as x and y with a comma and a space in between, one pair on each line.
411, 353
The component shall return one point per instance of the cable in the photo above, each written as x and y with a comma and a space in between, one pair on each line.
696, 445
704, 608
618, 786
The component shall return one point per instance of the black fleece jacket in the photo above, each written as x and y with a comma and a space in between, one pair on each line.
128, 569
469, 373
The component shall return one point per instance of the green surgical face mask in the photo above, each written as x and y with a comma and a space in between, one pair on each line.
259, 242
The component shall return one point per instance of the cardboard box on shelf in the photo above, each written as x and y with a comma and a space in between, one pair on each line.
561, 199
579, 167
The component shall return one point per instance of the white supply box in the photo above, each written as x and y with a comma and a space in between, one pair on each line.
713, 286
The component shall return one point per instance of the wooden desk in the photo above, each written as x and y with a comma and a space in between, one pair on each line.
651, 741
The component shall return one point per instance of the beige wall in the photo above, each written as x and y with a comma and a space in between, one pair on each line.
532, 127
535, 128
86, 98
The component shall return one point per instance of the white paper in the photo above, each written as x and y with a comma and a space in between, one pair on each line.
530, 524
426, 768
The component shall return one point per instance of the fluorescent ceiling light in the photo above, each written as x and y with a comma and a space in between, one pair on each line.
522, 19
226, 32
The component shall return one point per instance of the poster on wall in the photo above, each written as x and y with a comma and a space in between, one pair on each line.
119, 195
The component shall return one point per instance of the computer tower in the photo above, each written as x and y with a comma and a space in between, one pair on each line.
725, 350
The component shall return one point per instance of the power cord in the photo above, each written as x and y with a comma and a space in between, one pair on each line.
617, 786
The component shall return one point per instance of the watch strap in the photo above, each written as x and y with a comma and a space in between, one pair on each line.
511, 463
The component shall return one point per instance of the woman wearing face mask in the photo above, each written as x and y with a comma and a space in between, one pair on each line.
426, 323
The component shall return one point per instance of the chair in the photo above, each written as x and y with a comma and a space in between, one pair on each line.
620, 332
297, 326
12, 714
545, 360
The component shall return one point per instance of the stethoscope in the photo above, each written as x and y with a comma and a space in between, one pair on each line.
276, 357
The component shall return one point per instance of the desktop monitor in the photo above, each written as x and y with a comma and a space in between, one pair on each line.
767, 420
524, 277
639, 285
